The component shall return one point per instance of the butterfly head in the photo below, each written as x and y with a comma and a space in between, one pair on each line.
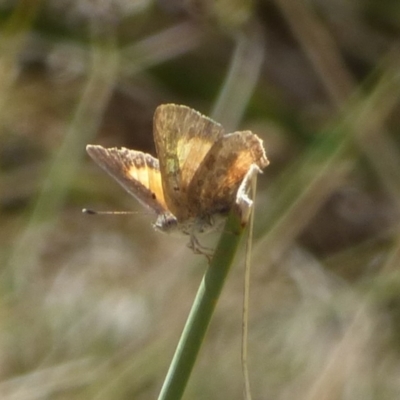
167, 223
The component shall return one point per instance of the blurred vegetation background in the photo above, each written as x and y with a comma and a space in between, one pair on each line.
92, 307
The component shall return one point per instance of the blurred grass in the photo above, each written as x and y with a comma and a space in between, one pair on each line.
93, 307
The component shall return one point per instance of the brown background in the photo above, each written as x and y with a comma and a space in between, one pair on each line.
92, 307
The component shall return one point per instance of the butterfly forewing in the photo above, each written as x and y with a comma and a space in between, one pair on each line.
183, 137
136, 172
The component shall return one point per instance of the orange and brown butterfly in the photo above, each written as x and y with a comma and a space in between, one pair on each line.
198, 172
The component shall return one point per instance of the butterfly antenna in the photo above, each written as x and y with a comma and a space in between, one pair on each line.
89, 211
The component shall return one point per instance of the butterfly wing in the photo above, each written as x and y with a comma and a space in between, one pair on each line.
136, 172
182, 137
215, 184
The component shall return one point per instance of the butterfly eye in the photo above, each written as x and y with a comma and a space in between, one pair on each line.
170, 222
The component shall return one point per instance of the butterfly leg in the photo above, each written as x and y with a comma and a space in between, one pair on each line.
198, 248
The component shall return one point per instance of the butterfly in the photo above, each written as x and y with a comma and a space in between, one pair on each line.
194, 182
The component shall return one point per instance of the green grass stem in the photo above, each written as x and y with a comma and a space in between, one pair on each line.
202, 310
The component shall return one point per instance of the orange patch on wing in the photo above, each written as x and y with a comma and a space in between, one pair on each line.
151, 179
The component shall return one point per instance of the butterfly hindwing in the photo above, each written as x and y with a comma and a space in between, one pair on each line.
182, 137
136, 172
214, 187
